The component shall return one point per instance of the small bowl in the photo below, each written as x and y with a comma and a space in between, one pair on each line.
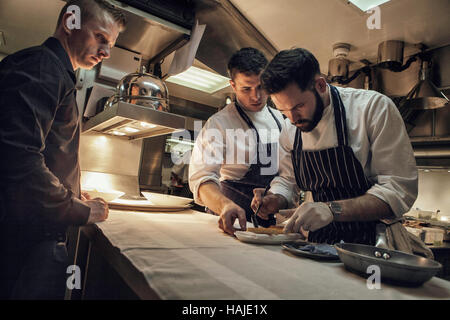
427, 215
160, 199
107, 195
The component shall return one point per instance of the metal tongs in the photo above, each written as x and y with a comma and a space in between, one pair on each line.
254, 220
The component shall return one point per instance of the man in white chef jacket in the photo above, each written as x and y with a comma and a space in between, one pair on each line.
236, 151
348, 147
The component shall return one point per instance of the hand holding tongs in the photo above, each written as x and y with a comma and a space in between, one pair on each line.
254, 220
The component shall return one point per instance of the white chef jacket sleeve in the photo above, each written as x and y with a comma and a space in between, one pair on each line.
207, 157
393, 166
285, 184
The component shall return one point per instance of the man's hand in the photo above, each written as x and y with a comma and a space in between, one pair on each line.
271, 203
310, 216
85, 196
99, 210
230, 212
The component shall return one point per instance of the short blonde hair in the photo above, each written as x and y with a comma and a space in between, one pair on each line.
88, 10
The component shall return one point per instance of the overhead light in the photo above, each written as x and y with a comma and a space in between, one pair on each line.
130, 129
190, 143
134, 121
117, 133
147, 125
365, 5
200, 79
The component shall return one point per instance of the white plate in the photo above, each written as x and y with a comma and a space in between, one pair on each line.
251, 237
107, 195
160, 199
144, 203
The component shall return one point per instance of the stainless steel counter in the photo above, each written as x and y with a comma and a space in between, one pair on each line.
185, 256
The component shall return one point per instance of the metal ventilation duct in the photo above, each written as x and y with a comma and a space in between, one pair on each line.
227, 30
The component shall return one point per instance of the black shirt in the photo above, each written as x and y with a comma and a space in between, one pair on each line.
39, 140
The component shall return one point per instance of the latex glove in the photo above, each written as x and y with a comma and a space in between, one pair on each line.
283, 215
310, 216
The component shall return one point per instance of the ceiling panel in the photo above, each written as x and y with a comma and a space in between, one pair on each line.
317, 25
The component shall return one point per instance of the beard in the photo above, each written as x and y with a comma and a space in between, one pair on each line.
309, 125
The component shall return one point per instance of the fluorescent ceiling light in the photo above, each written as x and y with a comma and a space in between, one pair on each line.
130, 129
117, 133
365, 5
146, 125
200, 79
189, 143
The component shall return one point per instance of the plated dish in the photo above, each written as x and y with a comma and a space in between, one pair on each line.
144, 205
107, 195
160, 199
270, 237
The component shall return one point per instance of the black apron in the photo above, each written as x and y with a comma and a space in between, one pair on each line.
334, 174
241, 191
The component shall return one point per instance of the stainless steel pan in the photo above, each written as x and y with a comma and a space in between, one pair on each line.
395, 266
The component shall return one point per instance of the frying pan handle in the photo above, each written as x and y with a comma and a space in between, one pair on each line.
381, 239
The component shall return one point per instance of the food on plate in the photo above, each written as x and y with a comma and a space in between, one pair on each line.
270, 230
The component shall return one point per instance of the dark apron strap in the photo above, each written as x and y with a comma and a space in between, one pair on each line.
339, 117
249, 122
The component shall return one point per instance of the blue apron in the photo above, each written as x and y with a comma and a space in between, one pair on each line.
241, 191
334, 174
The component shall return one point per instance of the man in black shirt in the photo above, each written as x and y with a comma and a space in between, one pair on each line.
39, 142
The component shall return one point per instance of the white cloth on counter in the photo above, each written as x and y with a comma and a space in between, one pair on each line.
378, 138
186, 256
207, 148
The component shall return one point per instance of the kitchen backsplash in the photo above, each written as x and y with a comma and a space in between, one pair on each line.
434, 190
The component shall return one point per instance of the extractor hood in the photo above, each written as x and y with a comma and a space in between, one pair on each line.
227, 30
149, 32
131, 121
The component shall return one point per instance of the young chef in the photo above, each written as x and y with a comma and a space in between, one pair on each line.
236, 151
39, 139
348, 147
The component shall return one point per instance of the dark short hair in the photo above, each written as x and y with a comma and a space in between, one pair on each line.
290, 66
248, 61
87, 8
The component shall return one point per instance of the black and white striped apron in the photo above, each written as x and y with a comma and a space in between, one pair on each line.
334, 174
241, 191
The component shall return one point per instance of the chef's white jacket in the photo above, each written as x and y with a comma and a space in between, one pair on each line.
226, 147
378, 138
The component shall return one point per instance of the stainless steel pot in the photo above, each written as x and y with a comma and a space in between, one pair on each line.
390, 54
142, 89
395, 266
